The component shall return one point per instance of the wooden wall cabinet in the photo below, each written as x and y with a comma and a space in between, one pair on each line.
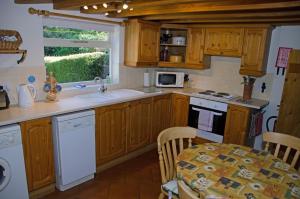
38, 153
161, 118
110, 132
224, 41
139, 123
237, 125
141, 43
180, 110
255, 51
195, 49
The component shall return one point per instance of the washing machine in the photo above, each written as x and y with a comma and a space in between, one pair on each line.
13, 184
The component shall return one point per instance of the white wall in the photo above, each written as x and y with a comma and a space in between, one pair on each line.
16, 17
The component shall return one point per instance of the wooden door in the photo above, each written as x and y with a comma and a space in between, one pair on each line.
237, 123
289, 113
161, 115
195, 48
180, 110
149, 43
38, 152
110, 132
139, 123
254, 52
224, 41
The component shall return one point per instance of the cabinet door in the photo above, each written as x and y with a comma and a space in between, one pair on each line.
38, 152
110, 132
149, 43
161, 115
254, 51
224, 41
195, 48
237, 122
180, 110
139, 124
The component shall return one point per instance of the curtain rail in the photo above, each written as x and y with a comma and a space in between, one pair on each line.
47, 13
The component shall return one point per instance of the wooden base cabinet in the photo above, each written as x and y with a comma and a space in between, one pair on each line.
110, 132
38, 153
180, 110
161, 118
139, 124
237, 125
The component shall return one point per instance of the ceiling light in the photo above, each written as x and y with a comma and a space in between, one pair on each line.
85, 7
119, 11
106, 14
105, 5
95, 7
125, 6
131, 9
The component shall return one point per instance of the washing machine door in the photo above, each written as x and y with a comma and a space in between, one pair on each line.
5, 173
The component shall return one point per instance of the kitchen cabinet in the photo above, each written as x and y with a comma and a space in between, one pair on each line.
110, 132
180, 110
141, 43
254, 57
38, 152
139, 123
161, 118
224, 41
195, 48
237, 125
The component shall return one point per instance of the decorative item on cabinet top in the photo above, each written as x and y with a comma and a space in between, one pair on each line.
10, 41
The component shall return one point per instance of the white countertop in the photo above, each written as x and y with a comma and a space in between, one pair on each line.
41, 109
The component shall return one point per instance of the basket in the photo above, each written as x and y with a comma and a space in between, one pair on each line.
10, 45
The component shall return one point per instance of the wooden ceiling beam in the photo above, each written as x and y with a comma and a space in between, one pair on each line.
200, 7
222, 15
71, 4
259, 20
33, 1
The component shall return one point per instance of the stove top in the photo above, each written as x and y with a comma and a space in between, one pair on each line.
214, 94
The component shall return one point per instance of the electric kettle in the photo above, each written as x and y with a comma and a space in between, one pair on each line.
26, 95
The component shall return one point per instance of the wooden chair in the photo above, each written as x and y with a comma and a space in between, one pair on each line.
290, 142
168, 141
185, 192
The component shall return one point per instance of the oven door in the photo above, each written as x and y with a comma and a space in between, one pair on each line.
209, 122
166, 80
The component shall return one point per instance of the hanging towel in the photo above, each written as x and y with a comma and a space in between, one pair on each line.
205, 120
258, 123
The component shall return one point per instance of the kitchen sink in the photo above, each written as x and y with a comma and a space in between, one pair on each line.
111, 95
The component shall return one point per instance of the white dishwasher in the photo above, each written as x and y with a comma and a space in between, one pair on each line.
74, 148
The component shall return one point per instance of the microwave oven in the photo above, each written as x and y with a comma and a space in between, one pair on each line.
169, 79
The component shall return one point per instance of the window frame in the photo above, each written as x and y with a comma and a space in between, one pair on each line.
112, 44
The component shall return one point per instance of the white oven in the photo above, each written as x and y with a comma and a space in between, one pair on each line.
169, 79
208, 117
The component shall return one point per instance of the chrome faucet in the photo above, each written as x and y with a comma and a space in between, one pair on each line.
102, 87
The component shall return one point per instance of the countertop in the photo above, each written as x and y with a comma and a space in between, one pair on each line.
41, 109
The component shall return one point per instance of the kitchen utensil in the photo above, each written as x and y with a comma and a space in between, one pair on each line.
176, 58
248, 87
178, 40
26, 95
4, 99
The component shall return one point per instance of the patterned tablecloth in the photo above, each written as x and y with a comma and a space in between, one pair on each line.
232, 171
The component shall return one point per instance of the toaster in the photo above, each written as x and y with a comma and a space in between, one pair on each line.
4, 99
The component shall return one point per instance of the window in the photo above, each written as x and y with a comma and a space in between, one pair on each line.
78, 52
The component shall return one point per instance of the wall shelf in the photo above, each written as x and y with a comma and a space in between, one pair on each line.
173, 45
23, 52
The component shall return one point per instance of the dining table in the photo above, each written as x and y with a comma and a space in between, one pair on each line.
215, 170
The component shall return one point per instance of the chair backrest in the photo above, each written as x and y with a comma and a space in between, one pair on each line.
290, 142
185, 192
168, 142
